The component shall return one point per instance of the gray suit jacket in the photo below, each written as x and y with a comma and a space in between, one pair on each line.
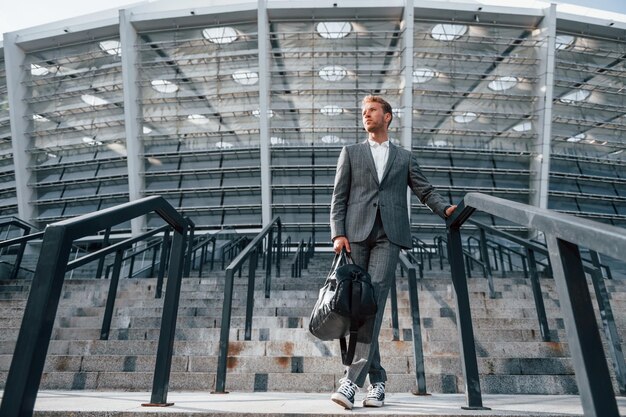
358, 194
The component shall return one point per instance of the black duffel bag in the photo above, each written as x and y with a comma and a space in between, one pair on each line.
345, 303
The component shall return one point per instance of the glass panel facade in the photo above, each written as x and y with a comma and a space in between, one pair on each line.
200, 122
76, 128
589, 127
8, 199
475, 98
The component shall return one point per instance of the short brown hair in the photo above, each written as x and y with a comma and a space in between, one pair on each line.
378, 99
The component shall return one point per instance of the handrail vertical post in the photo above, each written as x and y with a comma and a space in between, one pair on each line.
165, 348
268, 265
484, 253
20, 254
162, 263
592, 372
213, 253
108, 311
29, 357
222, 358
279, 233
464, 320
252, 264
105, 242
394, 309
608, 322
189, 251
418, 353
536, 288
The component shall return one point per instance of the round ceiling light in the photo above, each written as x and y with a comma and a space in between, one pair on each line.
333, 30
465, 117
333, 73
246, 77
93, 100
421, 75
331, 139
564, 42
523, 127
111, 47
502, 83
38, 70
220, 35
198, 119
575, 95
164, 86
577, 138
447, 32
331, 110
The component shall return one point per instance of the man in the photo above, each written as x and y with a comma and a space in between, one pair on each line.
369, 218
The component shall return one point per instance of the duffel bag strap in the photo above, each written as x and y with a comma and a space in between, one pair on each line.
347, 353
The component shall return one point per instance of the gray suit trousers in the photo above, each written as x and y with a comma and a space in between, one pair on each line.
379, 257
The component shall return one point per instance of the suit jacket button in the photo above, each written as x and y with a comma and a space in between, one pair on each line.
374, 204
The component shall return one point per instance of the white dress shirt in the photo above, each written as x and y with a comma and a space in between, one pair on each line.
380, 153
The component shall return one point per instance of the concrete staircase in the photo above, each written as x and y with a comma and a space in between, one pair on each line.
282, 355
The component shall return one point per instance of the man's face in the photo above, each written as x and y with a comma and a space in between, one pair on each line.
374, 118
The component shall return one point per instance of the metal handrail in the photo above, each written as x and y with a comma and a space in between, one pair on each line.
564, 233
27, 364
418, 353
250, 253
26, 228
297, 263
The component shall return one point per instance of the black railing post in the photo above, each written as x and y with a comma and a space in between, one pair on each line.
108, 311
418, 353
22, 383
162, 263
165, 348
105, 242
608, 322
220, 378
279, 235
463, 311
538, 297
268, 266
252, 264
189, 250
585, 345
484, 254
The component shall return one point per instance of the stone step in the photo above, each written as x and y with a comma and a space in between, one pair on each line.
310, 347
300, 382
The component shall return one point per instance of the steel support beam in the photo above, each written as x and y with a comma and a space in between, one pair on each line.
132, 115
540, 154
583, 336
264, 107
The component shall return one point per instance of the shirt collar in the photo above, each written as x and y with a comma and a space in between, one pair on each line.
374, 144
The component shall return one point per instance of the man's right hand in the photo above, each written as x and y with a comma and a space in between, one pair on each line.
339, 243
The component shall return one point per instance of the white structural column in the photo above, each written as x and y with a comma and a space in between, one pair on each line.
540, 152
408, 23
407, 64
18, 112
132, 114
264, 99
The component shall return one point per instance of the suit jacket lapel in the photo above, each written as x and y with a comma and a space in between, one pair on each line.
370, 159
393, 151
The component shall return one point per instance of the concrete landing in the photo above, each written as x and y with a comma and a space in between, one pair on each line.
125, 404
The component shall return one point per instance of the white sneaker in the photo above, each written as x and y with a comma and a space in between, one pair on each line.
375, 395
344, 396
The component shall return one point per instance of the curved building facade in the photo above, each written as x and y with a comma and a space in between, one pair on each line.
236, 112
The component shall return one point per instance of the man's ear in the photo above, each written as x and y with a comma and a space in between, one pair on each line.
387, 117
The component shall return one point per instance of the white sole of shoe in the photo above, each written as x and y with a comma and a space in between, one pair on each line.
342, 400
373, 403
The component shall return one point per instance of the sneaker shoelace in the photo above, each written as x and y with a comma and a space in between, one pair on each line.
347, 388
376, 391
